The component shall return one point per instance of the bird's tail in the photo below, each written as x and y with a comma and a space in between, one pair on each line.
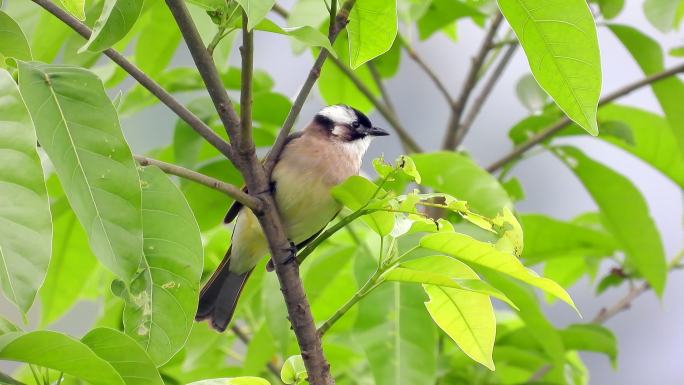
220, 295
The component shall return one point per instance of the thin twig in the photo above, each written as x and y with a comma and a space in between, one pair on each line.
469, 84
242, 336
381, 86
565, 121
6, 379
341, 20
246, 144
227, 188
428, 71
153, 87
479, 101
207, 69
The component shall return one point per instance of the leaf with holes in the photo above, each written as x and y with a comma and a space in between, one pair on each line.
26, 236
78, 128
161, 303
559, 39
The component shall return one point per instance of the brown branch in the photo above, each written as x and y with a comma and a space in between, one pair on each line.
244, 338
341, 20
565, 121
428, 71
227, 188
381, 86
479, 101
246, 144
469, 84
153, 87
207, 69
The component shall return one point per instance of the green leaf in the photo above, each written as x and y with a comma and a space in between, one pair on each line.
125, 355
78, 128
158, 40
474, 252
162, 301
662, 14
626, 215
115, 21
233, 381
677, 52
440, 14
669, 91
443, 271
530, 94
467, 317
592, 338
13, 43
72, 265
371, 30
75, 7
356, 193
256, 10
610, 8
26, 236
560, 42
59, 352
459, 176
547, 238
293, 370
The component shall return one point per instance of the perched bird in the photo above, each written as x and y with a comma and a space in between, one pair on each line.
324, 154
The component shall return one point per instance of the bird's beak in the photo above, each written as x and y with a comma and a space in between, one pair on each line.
376, 131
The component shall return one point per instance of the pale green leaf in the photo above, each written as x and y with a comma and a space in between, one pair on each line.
371, 30
233, 381
115, 21
158, 40
26, 236
125, 355
459, 176
13, 43
559, 39
256, 10
356, 193
662, 13
162, 301
626, 215
308, 12
530, 94
474, 252
437, 15
75, 7
592, 338
59, 352
293, 370
78, 128
467, 317
437, 270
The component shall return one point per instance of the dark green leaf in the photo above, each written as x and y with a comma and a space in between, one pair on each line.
593, 338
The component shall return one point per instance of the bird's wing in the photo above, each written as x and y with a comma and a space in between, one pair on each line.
236, 206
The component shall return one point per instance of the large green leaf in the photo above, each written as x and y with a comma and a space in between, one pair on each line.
355, 193
440, 270
256, 10
78, 127
466, 316
13, 43
59, 352
161, 305
474, 252
233, 381
662, 14
547, 238
158, 39
459, 176
669, 91
626, 215
26, 236
371, 30
559, 39
116, 20
125, 355
441, 14
592, 338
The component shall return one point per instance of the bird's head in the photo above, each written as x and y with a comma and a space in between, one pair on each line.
346, 124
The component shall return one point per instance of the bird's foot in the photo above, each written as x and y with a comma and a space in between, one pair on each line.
271, 188
292, 254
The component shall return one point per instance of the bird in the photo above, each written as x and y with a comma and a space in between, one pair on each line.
321, 156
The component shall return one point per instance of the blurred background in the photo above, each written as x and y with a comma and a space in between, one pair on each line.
651, 333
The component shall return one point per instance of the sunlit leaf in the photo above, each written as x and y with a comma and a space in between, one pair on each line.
662, 14
13, 43
358, 191
75, 7
125, 355
26, 236
162, 301
233, 381
293, 371
626, 215
438, 14
116, 20
371, 30
477, 253
78, 128
559, 39
60, 352
256, 10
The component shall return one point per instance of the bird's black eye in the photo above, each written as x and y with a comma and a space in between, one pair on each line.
356, 125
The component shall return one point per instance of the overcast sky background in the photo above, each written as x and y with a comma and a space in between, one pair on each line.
651, 334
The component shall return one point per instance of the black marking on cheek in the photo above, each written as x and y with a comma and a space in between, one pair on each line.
324, 121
